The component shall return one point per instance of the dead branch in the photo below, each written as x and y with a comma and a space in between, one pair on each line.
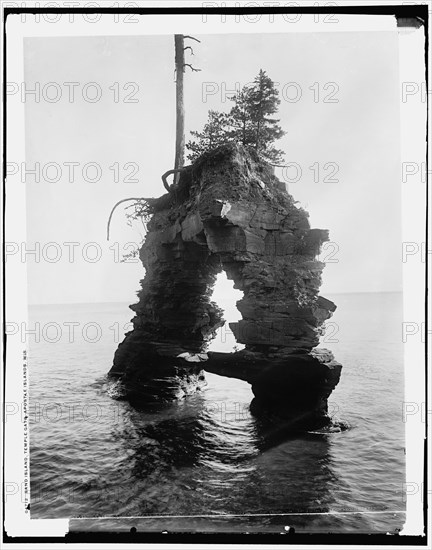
190, 66
191, 37
189, 48
119, 202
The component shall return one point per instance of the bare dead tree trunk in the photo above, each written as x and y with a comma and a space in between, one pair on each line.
180, 114
180, 67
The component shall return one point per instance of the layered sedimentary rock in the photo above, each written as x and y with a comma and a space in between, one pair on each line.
229, 212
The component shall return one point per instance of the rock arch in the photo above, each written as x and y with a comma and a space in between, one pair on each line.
230, 212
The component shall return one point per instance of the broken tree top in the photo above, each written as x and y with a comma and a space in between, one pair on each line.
228, 212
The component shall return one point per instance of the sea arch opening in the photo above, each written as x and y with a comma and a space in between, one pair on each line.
225, 296
229, 395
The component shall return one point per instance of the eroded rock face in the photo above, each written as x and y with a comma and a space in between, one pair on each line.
230, 212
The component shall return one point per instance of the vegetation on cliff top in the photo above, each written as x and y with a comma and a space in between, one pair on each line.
249, 122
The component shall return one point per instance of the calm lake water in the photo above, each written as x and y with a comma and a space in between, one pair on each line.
94, 457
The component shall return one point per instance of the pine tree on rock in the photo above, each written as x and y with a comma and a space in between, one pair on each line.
263, 101
249, 122
240, 118
214, 133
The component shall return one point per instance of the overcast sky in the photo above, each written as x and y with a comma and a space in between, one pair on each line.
358, 133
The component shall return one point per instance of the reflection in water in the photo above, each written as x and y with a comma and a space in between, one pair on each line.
206, 454
197, 457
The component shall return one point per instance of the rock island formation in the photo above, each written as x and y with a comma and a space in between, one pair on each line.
229, 212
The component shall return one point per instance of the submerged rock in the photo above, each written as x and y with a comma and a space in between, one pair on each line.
229, 212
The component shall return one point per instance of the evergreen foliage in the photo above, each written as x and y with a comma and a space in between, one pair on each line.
249, 122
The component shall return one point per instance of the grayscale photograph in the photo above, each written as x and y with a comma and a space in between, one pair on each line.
208, 235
